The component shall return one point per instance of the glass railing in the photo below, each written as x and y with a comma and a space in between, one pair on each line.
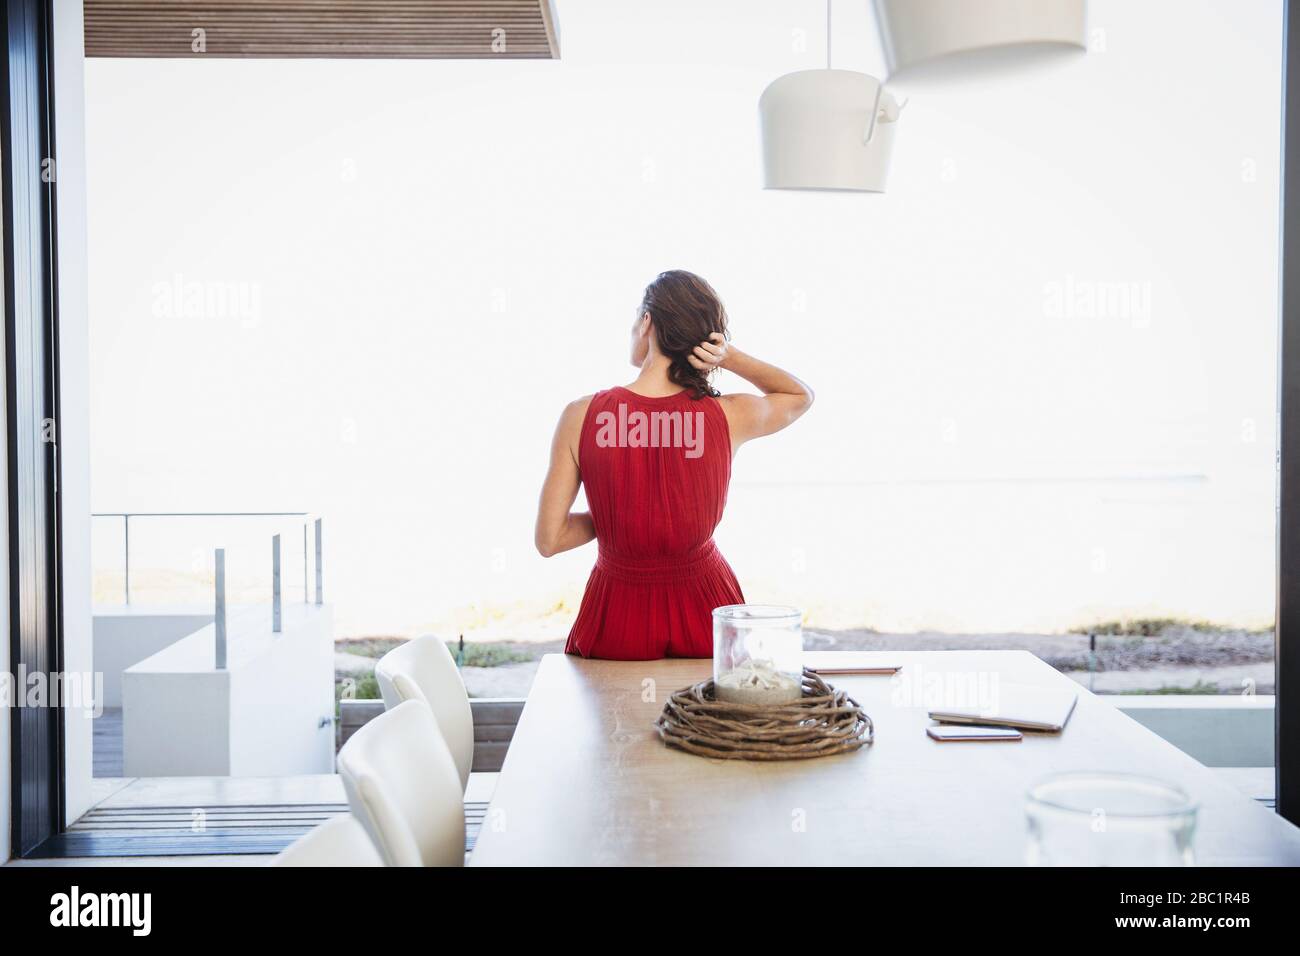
169, 557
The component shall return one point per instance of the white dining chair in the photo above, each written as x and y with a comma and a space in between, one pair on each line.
424, 670
341, 841
403, 787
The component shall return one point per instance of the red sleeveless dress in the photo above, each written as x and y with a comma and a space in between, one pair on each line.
655, 472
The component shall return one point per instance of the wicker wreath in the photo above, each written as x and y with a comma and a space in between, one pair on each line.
824, 721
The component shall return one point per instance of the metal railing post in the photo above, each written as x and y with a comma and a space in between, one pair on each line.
220, 610
275, 583
320, 589
126, 556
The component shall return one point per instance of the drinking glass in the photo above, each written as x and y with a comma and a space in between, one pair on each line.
1109, 819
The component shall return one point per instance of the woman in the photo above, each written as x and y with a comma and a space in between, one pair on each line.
655, 458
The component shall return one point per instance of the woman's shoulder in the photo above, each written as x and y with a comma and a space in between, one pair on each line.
740, 409
738, 401
606, 398
576, 410
569, 429
735, 402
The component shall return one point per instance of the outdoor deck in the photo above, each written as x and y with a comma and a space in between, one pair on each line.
228, 821
107, 743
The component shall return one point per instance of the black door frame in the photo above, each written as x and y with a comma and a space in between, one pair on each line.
32, 394
1287, 632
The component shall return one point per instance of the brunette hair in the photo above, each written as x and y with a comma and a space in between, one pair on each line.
684, 310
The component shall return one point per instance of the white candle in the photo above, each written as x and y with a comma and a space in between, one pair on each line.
758, 682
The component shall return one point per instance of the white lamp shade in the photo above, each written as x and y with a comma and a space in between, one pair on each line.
925, 39
819, 133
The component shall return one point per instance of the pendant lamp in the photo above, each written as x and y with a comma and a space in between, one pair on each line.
827, 129
937, 40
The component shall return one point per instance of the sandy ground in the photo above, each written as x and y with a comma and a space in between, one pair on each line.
1172, 647
1179, 658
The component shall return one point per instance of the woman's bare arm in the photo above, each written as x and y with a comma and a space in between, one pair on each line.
558, 529
784, 396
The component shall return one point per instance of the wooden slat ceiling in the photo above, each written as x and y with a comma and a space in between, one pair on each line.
376, 29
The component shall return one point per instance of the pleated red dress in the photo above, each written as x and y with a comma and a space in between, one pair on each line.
656, 472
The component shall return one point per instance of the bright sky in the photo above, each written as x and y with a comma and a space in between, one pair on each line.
423, 261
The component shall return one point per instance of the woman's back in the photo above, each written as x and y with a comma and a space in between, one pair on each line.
655, 471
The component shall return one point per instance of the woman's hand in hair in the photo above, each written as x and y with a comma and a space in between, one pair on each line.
784, 398
710, 354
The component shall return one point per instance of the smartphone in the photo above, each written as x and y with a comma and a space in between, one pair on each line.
949, 732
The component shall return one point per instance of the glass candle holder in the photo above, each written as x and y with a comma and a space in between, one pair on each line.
757, 654
1109, 819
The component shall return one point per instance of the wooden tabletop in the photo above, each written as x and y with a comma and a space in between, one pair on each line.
587, 781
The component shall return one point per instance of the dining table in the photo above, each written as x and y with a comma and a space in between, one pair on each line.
588, 782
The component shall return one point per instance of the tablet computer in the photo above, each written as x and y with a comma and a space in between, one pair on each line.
1015, 705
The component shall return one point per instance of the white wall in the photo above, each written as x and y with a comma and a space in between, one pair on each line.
126, 636
74, 424
258, 717
176, 725
1229, 730
278, 702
